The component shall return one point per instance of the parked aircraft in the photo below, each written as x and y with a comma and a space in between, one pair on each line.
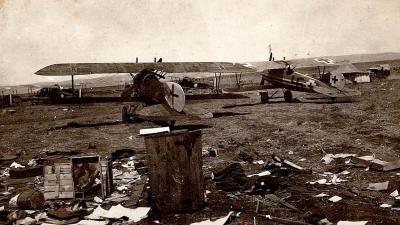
281, 75
151, 88
160, 100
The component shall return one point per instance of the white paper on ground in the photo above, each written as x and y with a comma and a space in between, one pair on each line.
16, 165
97, 200
384, 205
322, 181
13, 200
119, 211
26, 220
260, 162
97, 214
335, 198
220, 221
378, 186
153, 130
394, 193
345, 172
91, 222
321, 195
264, 173
352, 222
328, 158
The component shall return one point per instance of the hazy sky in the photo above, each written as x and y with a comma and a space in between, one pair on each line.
36, 33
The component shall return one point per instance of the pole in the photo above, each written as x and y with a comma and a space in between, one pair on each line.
73, 88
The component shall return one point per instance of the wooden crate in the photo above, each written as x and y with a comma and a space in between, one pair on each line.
176, 176
58, 182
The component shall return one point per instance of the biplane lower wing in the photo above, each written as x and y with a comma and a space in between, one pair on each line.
160, 112
336, 93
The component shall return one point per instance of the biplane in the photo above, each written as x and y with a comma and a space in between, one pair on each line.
159, 100
281, 75
162, 100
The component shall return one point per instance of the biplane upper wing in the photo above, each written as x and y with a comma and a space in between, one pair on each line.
169, 67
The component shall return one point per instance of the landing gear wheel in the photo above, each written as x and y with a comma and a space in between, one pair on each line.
288, 96
264, 97
125, 114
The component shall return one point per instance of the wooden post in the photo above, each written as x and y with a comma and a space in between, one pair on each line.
176, 176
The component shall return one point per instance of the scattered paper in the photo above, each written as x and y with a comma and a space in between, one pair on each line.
352, 222
345, 172
321, 195
384, 205
153, 130
13, 200
16, 165
335, 198
260, 162
378, 186
394, 193
264, 173
119, 211
91, 222
26, 220
322, 181
328, 158
220, 221
97, 200
122, 188
97, 214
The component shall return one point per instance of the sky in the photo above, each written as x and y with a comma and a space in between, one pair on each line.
37, 33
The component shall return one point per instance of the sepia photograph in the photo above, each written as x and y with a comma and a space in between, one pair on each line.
185, 112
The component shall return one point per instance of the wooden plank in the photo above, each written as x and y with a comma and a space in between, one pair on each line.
50, 183
64, 195
50, 195
50, 177
391, 165
66, 188
66, 176
48, 170
51, 188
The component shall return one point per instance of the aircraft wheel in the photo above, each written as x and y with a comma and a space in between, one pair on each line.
125, 114
288, 96
264, 97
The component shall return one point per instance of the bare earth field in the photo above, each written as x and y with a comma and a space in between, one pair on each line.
300, 132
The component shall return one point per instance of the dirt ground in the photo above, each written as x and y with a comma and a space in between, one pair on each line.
300, 132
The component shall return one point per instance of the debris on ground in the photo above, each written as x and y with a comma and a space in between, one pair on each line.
335, 198
378, 186
232, 178
352, 222
275, 198
328, 158
220, 221
209, 151
24, 172
118, 212
31, 199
